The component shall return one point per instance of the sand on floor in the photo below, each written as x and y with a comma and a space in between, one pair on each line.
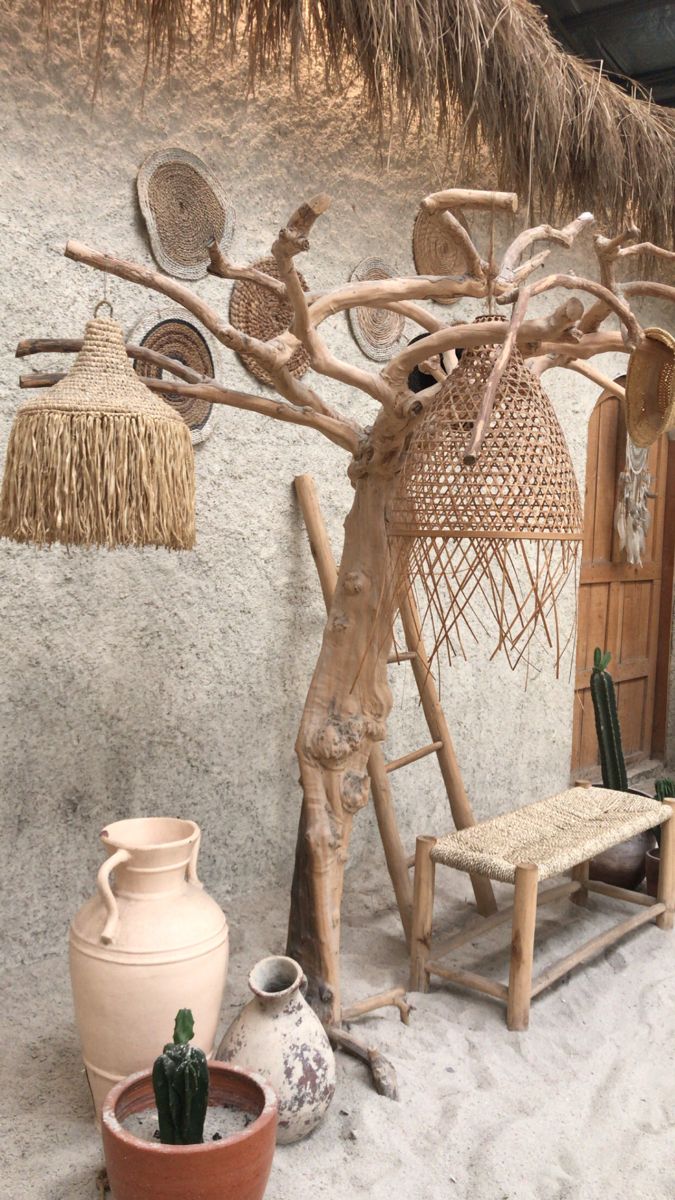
581, 1107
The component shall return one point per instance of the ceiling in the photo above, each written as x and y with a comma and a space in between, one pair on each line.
634, 39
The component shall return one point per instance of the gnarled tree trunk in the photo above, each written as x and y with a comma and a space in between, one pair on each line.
346, 711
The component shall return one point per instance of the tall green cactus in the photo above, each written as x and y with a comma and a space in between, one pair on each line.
180, 1079
607, 724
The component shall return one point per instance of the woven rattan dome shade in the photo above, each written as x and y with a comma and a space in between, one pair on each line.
98, 459
497, 537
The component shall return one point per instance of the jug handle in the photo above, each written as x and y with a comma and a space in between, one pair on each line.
103, 884
192, 876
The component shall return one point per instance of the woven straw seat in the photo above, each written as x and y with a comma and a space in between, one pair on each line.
555, 834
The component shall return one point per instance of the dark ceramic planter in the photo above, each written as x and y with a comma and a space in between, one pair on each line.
652, 865
624, 865
236, 1168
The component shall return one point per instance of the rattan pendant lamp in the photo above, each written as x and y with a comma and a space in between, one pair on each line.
98, 459
493, 543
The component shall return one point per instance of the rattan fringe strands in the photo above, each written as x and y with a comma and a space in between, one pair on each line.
555, 834
497, 539
378, 332
98, 460
185, 208
436, 250
175, 337
263, 314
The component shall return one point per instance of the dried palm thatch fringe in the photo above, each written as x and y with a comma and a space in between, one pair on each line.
92, 462
488, 71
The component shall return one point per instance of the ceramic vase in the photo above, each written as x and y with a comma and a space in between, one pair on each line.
280, 1037
149, 942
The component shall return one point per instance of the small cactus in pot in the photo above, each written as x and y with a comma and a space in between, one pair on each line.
180, 1080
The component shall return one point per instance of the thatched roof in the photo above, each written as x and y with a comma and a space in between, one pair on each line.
488, 71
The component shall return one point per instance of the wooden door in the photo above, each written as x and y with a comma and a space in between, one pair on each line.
619, 604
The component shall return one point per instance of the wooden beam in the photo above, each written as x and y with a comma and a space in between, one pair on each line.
469, 979
593, 947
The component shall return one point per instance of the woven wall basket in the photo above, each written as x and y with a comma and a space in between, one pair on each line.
263, 314
498, 538
650, 388
378, 332
185, 208
168, 333
436, 250
98, 460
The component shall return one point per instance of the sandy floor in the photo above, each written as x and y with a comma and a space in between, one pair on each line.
580, 1107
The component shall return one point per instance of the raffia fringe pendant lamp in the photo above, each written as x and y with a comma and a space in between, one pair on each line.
98, 459
492, 543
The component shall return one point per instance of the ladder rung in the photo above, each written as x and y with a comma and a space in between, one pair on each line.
396, 763
400, 656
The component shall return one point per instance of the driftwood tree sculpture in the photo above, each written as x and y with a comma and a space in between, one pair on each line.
349, 700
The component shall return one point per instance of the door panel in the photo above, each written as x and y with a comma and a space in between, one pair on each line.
618, 604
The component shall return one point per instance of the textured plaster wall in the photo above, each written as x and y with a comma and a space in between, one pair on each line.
143, 682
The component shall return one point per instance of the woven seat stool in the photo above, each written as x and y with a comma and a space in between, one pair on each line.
542, 840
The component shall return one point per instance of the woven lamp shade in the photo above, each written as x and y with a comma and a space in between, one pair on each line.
260, 312
98, 460
185, 208
378, 332
498, 538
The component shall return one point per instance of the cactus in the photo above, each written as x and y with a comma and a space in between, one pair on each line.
607, 724
180, 1079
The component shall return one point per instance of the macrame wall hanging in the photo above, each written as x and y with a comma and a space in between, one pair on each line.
493, 542
98, 459
632, 517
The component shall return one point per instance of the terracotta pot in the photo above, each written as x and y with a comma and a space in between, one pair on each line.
278, 1035
624, 865
236, 1168
152, 943
652, 867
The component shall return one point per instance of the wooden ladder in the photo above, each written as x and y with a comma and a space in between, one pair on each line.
379, 770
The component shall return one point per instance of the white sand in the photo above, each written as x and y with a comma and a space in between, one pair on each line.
582, 1107
221, 1122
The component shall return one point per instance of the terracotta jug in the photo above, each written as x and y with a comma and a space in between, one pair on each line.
279, 1036
151, 943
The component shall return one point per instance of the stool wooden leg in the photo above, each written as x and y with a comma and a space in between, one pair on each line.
666, 890
522, 946
423, 910
580, 875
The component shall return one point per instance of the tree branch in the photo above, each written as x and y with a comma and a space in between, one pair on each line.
213, 393
577, 283
539, 233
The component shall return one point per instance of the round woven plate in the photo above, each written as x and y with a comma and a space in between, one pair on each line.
184, 208
378, 332
261, 313
174, 336
436, 250
650, 388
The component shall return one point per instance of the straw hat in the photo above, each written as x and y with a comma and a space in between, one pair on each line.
436, 250
263, 314
167, 332
378, 332
650, 388
498, 538
98, 460
185, 208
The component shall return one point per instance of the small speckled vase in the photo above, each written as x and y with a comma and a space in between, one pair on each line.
280, 1037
